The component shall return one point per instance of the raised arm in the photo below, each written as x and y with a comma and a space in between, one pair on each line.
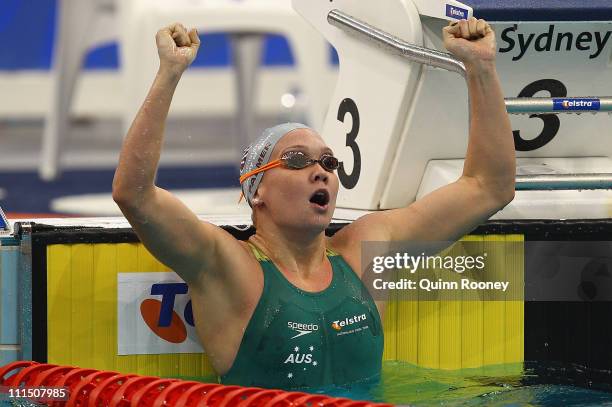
487, 182
165, 225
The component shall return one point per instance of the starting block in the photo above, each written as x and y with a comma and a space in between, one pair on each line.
398, 118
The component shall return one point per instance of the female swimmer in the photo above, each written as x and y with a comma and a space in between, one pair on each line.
287, 308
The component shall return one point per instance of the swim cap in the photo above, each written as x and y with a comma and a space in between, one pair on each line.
258, 153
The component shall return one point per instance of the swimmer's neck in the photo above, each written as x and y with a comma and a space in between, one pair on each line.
293, 252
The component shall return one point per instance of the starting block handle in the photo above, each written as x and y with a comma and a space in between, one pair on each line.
444, 60
393, 44
587, 104
546, 182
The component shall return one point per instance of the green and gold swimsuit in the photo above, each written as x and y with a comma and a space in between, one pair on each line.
298, 339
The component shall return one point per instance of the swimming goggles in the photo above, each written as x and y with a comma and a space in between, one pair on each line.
295, 160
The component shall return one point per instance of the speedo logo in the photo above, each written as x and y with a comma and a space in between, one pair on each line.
339, 324
576, 104
302, 329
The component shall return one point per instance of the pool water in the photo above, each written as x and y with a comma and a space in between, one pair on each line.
528, 384
522, 384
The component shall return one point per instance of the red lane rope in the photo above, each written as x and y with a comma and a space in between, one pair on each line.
102, 394
9, 368
216, 396
283, 399
171, 394
71, 380
236, 396
99, 388
50, 376
147, 394
123, 395
261, 398
27, 375
193, 394
80, 393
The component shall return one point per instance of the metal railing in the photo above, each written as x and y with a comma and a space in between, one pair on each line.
544, 182
394, 44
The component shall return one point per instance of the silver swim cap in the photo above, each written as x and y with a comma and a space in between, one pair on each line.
258, 154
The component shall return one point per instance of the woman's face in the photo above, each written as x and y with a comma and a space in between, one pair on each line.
304, 198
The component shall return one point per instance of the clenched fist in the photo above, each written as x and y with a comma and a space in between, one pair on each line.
471, 41
177, 47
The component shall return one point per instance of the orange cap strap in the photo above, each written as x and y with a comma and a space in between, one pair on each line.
271, 164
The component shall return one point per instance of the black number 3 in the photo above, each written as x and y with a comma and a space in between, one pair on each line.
551, 121
350, 180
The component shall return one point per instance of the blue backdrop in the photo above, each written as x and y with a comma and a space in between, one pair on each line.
31, 26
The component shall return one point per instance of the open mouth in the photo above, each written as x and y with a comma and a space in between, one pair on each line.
320, 197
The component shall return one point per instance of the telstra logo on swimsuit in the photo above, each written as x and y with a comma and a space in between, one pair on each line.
160, 316
339, 324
